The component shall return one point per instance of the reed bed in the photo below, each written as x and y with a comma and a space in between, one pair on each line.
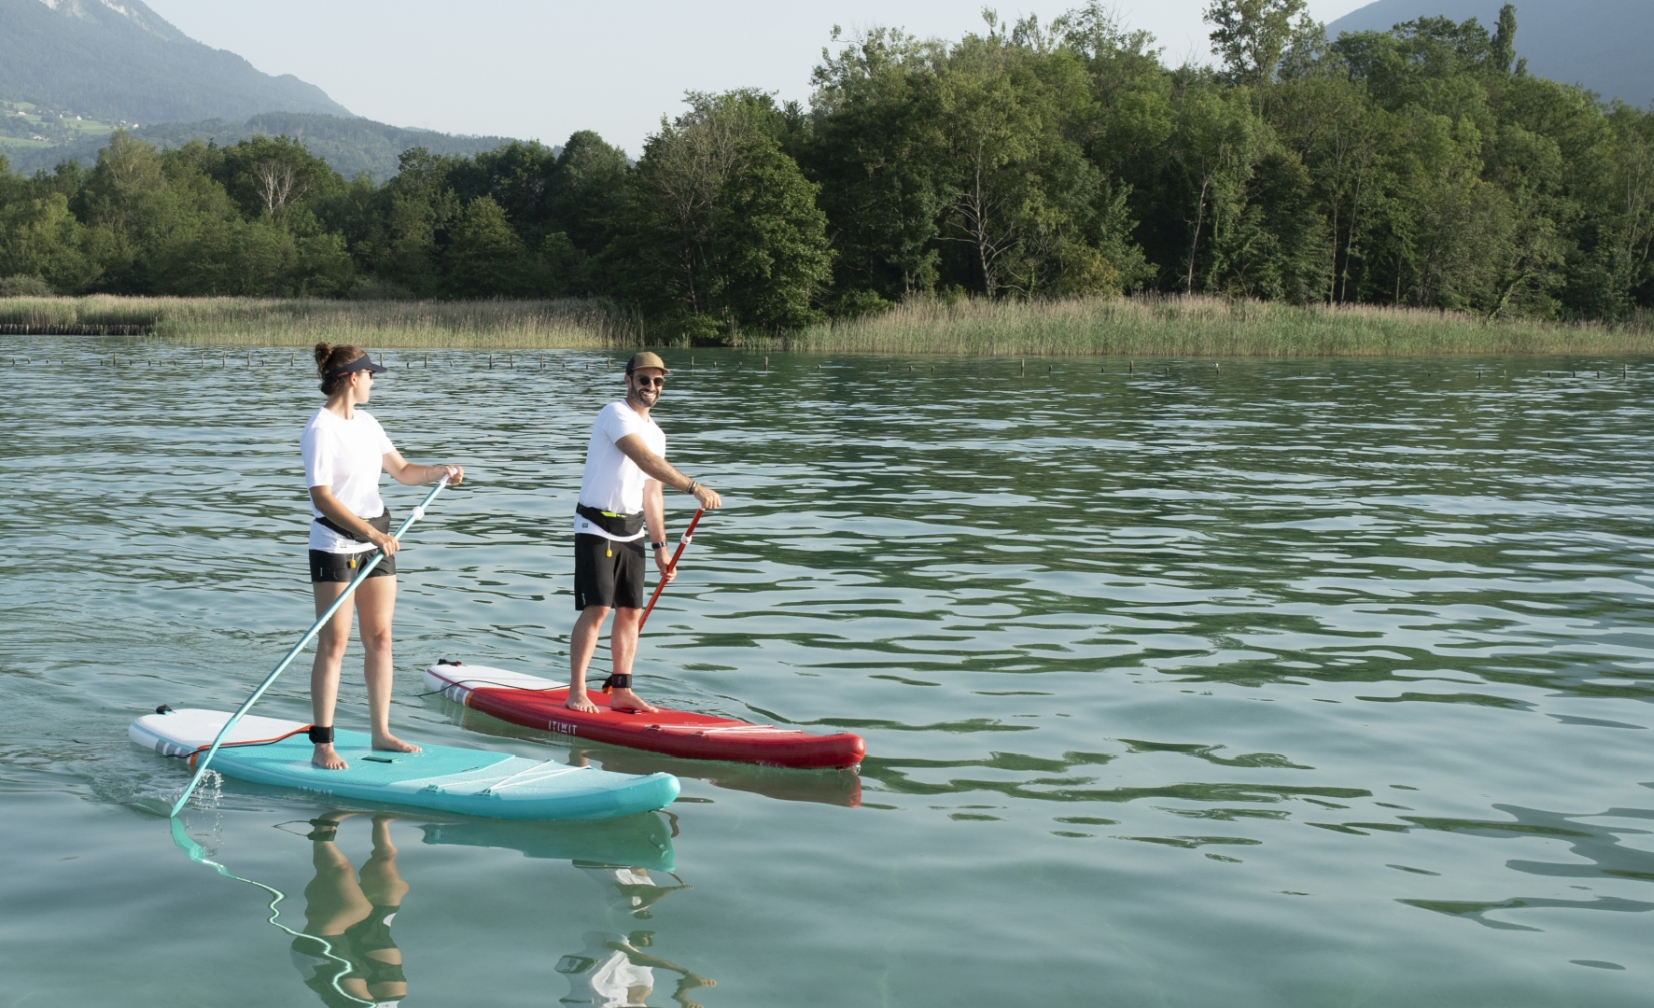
1147, 326
298, 322
1154, 326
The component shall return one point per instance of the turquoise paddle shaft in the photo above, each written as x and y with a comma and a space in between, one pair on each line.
315, 628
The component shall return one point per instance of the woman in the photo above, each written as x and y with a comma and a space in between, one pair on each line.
345, 449
346, 948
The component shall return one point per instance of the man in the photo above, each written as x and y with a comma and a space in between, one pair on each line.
620, 501
613, 971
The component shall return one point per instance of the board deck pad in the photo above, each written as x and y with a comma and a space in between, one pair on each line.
481, 782
534, 702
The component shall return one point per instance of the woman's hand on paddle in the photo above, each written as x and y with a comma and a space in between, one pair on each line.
387, 543
456, 474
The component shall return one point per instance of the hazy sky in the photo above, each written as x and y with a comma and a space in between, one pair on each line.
541, 69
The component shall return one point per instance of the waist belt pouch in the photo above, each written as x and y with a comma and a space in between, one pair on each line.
624, 525
380, 524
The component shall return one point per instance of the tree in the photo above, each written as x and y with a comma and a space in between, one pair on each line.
1218, 140
265, 174
720, 231
41, 238
485, 257
585, 191
1502, 52
1251, 36
883, 181
408, 227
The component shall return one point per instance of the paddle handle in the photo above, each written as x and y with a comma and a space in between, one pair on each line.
688, 534
315, 628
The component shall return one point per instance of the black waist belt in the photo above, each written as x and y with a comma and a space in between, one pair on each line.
624, 525
380, 524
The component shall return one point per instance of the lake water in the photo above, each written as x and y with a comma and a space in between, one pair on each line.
1285, 683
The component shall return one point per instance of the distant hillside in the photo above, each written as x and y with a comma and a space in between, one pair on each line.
351, 146
1607, 45
121, 61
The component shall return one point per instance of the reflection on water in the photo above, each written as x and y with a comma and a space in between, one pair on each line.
1286, 684
829, 787
347, 956
349, 916
613, 971
641, 840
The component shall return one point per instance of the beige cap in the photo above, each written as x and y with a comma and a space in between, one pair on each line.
646, 359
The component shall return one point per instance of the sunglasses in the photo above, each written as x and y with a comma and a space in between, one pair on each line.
659, 381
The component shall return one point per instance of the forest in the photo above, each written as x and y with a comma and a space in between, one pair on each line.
1421, 167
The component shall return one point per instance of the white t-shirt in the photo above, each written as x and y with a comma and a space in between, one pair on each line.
612, 481
346, 456
601, 976
612, 880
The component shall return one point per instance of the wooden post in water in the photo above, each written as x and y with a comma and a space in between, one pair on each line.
1131, 367
292, 357
1023, 364
490, 362
766, 365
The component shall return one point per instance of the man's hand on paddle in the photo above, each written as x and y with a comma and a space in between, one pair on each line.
663, 563
708, 497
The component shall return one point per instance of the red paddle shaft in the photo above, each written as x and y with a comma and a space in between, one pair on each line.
688, 534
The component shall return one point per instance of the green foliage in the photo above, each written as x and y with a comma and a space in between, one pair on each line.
1418, 168
23, 285
485, 257
1251, 36
720, 231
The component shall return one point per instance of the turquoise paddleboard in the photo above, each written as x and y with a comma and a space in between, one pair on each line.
477, 782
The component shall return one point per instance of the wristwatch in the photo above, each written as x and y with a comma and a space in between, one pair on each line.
657, 545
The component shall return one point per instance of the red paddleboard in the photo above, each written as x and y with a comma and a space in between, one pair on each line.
538, 703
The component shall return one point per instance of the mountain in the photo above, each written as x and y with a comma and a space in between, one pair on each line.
115, 60
351, 146
1602, 44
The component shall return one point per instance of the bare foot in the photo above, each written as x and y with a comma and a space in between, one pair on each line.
578, 702
626, 701
390, 743
325, 758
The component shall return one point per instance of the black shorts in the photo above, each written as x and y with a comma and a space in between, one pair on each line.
343, 567
608, 573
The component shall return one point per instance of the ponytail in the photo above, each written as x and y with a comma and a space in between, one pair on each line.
329, 357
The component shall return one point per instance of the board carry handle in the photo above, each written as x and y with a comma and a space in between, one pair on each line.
688, 534
315, 628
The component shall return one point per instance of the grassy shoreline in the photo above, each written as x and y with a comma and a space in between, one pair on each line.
1149, 326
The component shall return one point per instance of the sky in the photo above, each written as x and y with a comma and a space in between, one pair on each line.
541, 69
